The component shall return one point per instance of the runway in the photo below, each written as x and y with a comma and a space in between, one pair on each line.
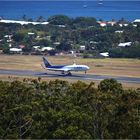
74, 76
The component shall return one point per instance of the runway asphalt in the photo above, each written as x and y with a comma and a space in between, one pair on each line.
74, 76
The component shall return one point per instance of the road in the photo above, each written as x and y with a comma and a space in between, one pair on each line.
74, 76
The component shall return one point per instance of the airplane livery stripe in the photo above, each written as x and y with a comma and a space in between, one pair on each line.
56, 66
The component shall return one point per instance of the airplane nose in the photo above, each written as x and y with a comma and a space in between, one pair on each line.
87, 68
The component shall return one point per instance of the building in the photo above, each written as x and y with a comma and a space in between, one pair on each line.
112, 23
118, 31
36, 48
30, 33
104, 54
15, 50
23, 22
136, 21
46, 49
125, 44
82, 48
102, 23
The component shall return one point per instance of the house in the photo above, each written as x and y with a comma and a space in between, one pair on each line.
15, 50
46, 49
93, 42
118, 31
21, 46
36, 47
102, 24
30, 33
82, 48
8, 36
10, 45
56, 43
135, 25
62, 26
9, 40
121, 25
104, 54
136, 21
125, 44
112, 23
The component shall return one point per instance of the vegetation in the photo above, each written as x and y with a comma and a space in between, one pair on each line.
129, 52
62, 110
71, 33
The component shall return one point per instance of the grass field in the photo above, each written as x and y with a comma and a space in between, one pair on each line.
113, 67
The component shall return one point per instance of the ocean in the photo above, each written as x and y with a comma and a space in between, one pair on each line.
105, 10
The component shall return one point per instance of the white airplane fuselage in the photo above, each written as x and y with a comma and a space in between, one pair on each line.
69, 68
64, 68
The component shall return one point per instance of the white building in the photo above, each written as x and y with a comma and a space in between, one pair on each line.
63, 26
30, 33
56, 43
102, 24
125, 44
16, 50
46, 49
36, 47
121, 25
118, 31
82, 48
105, 54
112, 23
136, 21
23, 22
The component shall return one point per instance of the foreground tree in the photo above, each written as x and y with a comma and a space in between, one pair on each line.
61, 110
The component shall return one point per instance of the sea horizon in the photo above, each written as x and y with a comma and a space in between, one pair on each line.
99, 9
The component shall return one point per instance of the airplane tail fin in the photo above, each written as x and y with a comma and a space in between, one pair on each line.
46, 63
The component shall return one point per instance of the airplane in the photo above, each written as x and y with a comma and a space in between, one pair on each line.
64, 69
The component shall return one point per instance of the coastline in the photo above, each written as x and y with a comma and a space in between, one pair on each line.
23, 22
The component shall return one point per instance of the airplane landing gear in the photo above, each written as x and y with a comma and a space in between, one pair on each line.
85, 72
66, 73
69, 74
63, 72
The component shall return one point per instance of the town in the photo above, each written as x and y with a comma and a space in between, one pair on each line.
62, 35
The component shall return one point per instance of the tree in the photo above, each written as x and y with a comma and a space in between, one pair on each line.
84, 22
18, 37
41, 19
59, 20
5, 48
24, 17
58, 109
110, 85
64, 46
128, 52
